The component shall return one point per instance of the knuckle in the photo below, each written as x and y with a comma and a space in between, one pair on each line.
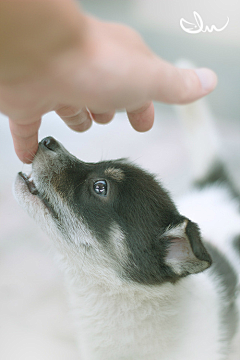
77, 119
68, 111
74, 120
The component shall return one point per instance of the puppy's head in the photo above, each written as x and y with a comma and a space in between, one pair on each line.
110, 217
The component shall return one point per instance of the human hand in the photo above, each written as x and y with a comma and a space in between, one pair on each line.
110, 69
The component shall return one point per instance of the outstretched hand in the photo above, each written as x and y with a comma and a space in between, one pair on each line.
108, 67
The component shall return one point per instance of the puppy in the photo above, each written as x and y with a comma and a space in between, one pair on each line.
144, 283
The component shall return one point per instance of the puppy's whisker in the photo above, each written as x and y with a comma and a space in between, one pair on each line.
134, 161
31, 155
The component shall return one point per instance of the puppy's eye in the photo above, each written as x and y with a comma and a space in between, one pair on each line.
100, 187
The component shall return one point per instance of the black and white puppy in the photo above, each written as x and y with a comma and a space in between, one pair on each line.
144, 283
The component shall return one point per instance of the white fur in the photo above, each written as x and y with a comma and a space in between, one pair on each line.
122, 320
118, 320
159, 321
132, 322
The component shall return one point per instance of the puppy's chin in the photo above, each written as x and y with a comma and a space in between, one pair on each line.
29, 199
27, 196
78, 249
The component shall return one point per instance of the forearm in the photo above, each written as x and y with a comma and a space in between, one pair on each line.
32, 33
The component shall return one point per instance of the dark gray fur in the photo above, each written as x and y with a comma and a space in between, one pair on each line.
137, 203
236, 243
218, 174
147, 217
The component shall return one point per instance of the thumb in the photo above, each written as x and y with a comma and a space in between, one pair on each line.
180, 86
25, 139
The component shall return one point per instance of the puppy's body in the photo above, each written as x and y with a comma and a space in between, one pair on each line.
138, 272
196, 318
164, 323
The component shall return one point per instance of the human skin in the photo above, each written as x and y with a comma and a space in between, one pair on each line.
55, 57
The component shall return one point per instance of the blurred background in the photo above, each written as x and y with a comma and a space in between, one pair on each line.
35, 323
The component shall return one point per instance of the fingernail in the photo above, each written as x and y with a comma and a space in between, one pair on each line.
207, 78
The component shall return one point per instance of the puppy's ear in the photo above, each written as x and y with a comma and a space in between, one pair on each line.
186, 253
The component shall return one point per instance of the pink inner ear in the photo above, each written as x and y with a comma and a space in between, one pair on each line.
180, 250
180, 256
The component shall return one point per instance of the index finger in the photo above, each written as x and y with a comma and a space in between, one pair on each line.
25, 139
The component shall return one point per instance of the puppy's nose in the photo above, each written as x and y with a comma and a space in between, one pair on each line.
50, 143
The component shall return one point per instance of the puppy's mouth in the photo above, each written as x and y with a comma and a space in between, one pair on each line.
29, 182
34, 191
